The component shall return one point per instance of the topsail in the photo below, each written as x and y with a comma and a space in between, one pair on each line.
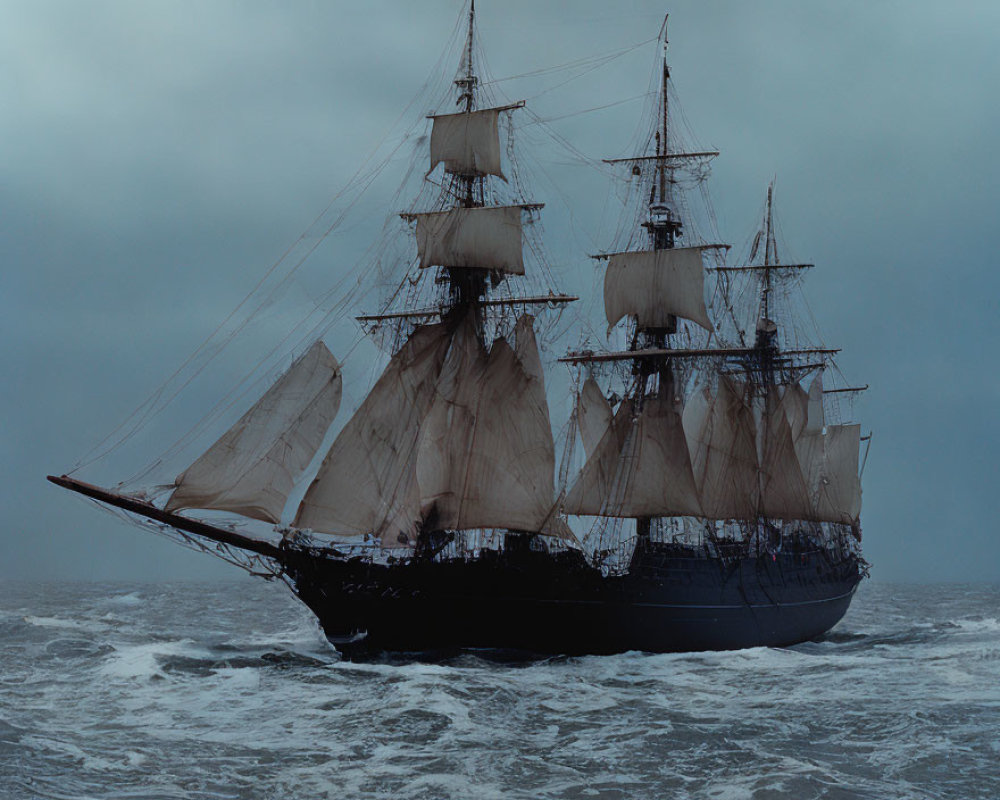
478, 238
467, 143
654, 285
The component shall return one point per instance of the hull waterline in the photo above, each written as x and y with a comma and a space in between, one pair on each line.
673, 598
559, 605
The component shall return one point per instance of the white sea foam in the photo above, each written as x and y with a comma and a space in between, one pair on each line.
986, 625
140, 661
249, 701
56, 622
131, 599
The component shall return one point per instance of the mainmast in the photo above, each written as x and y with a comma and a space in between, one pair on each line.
664, 228
467, 84
732, 452
463, 427
652, 287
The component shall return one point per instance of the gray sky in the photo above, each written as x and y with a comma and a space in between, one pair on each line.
158, 157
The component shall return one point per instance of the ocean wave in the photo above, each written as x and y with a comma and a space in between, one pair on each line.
165, 700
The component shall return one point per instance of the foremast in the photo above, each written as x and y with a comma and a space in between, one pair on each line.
471, 238
455, 436
468, 286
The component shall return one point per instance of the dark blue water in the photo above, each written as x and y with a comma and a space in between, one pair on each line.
195, 691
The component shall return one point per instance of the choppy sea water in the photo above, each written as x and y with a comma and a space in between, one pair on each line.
196, 691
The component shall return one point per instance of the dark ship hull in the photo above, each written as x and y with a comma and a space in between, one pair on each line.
525, 598
672, 599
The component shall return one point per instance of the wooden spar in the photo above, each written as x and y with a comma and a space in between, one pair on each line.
846, 389
420, 312
603, 256
730, 352
656, 352
541, 299
409, 216
664, 157
508, 107
826, 351
150, 511
805, 367
755, 267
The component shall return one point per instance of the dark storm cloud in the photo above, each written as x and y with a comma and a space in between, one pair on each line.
159, 156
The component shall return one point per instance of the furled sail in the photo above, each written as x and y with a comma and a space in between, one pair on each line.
641, 467
721, 436
480, 238
487, 456
251, 469
654, 285
593, 414
367, 482
468, 143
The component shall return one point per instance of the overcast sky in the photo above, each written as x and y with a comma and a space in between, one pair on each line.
159, 157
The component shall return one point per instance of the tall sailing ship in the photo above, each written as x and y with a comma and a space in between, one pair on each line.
714, 505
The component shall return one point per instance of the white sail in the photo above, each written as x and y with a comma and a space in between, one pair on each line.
641, 467
839, 495
722, 437
468, 143
487, 457
816, 418
367, 482
251, 469
593, 414
796, 405
784, 492
480, 238
449, 428
654, 285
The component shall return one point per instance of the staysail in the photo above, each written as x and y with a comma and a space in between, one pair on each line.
251, 469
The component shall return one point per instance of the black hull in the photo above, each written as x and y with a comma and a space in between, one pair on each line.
673, 599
